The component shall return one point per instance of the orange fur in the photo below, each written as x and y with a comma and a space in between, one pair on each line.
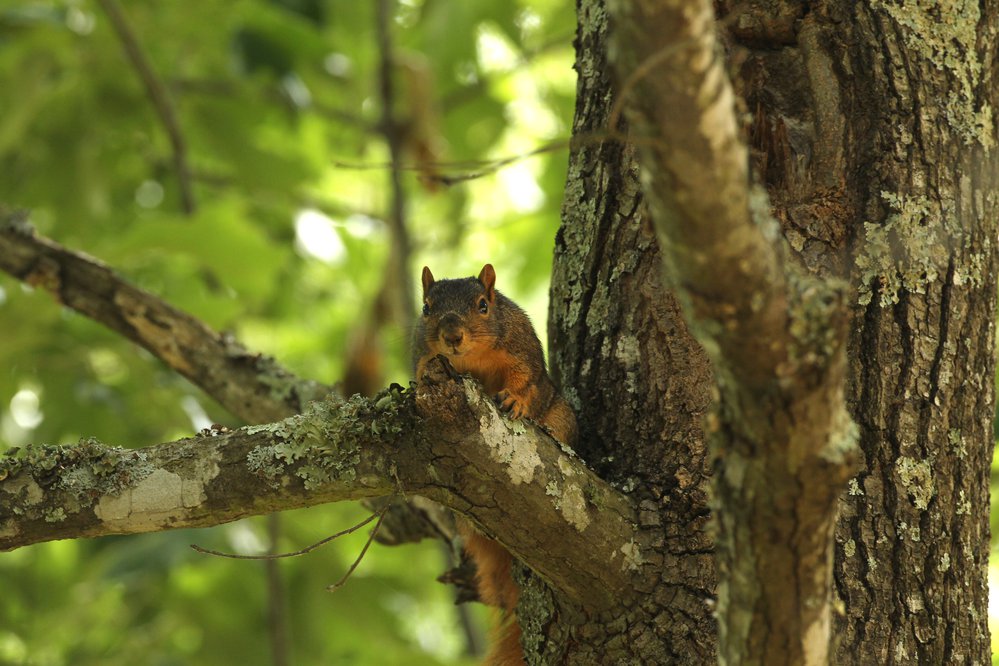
485, 334
495, 582
496, 588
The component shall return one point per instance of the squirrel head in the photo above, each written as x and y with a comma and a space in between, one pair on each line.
458, 314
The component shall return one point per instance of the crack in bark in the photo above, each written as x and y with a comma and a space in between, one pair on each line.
945, 296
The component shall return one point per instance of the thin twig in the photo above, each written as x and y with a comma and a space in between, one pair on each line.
490, 169
398, 482
367, 544
492, 166
639, 73
487, 166
160, 98
305, 550
609, 133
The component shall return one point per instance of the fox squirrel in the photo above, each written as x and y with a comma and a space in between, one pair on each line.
485, 334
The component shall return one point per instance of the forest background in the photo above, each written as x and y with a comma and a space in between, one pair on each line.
284, 241
259, 197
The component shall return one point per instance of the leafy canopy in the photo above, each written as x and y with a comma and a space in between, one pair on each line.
286, 247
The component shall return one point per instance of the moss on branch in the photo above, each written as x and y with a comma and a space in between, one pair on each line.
445, 441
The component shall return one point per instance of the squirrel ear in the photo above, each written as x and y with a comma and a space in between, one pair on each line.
428, 280
488, 279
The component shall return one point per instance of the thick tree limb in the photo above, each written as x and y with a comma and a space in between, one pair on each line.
445, 441
253, 387
725, 262
776, 336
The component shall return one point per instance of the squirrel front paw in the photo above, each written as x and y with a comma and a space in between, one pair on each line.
514, 405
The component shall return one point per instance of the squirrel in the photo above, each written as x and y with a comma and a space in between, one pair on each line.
485, 334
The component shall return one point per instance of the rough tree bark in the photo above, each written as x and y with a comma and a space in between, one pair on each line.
339, 450
640, 382
872, 131
785, 437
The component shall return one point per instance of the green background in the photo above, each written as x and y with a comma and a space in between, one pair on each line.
287, 249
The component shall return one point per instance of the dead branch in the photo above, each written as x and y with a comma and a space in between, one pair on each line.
251, 386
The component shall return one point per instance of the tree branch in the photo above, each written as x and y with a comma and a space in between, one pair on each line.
723, 259
777, 336
253, 387
160, 98
445, 441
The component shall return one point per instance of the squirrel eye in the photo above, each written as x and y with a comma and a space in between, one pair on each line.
483, 306
426, 309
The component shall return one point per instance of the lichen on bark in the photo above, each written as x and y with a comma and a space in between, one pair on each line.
945, 33
79, 473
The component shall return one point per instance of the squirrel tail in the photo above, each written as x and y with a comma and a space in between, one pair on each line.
505, 648
560, 421
496, 588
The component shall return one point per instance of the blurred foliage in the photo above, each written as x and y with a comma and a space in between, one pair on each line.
286, 249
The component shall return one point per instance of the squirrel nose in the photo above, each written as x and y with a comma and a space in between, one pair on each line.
453, 338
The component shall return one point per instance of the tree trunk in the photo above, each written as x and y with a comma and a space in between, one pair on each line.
639, 381
875, 180
873, 131
913, 540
